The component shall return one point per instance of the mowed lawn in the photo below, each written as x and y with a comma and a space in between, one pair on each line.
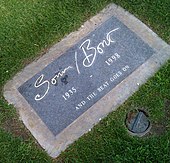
28, 28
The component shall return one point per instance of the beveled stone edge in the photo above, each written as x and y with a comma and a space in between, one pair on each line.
54, 145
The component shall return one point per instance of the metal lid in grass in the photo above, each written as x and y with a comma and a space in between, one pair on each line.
137, 122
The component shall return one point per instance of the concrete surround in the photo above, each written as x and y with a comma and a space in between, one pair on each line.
55, 144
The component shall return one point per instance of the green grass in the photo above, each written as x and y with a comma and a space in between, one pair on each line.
109, 141
17, 150
28, 28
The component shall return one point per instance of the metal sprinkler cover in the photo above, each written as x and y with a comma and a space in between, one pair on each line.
137, 122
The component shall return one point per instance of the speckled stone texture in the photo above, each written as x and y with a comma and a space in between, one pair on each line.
96, 84
73, 92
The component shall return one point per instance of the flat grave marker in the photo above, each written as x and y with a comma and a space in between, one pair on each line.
72, 83
84, 77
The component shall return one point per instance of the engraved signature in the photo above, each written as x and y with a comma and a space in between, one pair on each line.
39, 82
90, 54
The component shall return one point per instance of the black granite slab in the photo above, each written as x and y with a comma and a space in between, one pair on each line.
80, 77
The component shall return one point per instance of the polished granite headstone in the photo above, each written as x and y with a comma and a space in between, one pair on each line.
88, 74
75, 81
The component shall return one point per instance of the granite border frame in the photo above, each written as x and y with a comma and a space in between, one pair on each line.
55, 144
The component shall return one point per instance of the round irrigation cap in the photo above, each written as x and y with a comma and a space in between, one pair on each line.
137, 122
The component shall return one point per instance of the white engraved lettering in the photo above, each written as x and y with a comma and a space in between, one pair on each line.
90, 52
59, 74
39, 83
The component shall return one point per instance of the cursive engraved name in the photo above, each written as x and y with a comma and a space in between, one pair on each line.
90, 52
39, 82
59, 75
